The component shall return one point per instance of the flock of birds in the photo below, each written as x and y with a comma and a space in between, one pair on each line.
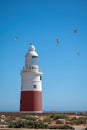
57, 41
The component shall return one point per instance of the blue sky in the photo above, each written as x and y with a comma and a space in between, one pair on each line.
41, 22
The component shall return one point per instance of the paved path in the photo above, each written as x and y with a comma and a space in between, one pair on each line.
79, 127
76, 128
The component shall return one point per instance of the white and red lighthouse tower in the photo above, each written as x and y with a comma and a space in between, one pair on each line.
31, 84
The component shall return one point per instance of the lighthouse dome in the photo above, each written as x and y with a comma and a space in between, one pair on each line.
32, 48
32, 51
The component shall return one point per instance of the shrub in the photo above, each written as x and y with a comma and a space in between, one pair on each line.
29, 117
61, 127
58, 116
18, 124
79, 121
27, 124
48, 119
40, 125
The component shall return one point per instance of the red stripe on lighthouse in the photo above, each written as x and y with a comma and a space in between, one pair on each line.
31, 101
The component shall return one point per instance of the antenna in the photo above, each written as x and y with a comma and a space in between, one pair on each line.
30, 43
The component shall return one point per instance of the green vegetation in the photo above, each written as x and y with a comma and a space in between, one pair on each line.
79, 121
47, 119
36, 125
29, 117
27, 124
55, 116
61, 127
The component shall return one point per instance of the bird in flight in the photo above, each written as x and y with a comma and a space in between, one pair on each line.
57, 42
75, 30
78, 53
16, 38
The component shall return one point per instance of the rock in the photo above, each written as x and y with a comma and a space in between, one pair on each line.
3, 126
16, 118
77, 117
68, 122
23, 120
60, 121
3, 116
36, 117
2, 120
41, 119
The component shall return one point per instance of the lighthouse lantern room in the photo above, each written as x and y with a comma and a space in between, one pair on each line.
31, 84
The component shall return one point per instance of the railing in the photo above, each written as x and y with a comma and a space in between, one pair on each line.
30, 69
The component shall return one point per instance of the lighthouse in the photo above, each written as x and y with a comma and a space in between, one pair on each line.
31, 84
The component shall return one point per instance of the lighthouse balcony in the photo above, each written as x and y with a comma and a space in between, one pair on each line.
30, 69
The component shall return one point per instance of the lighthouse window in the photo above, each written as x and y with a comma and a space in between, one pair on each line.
34, 60
34, 86
40, 77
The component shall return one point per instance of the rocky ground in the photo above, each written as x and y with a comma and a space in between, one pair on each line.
43, 120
